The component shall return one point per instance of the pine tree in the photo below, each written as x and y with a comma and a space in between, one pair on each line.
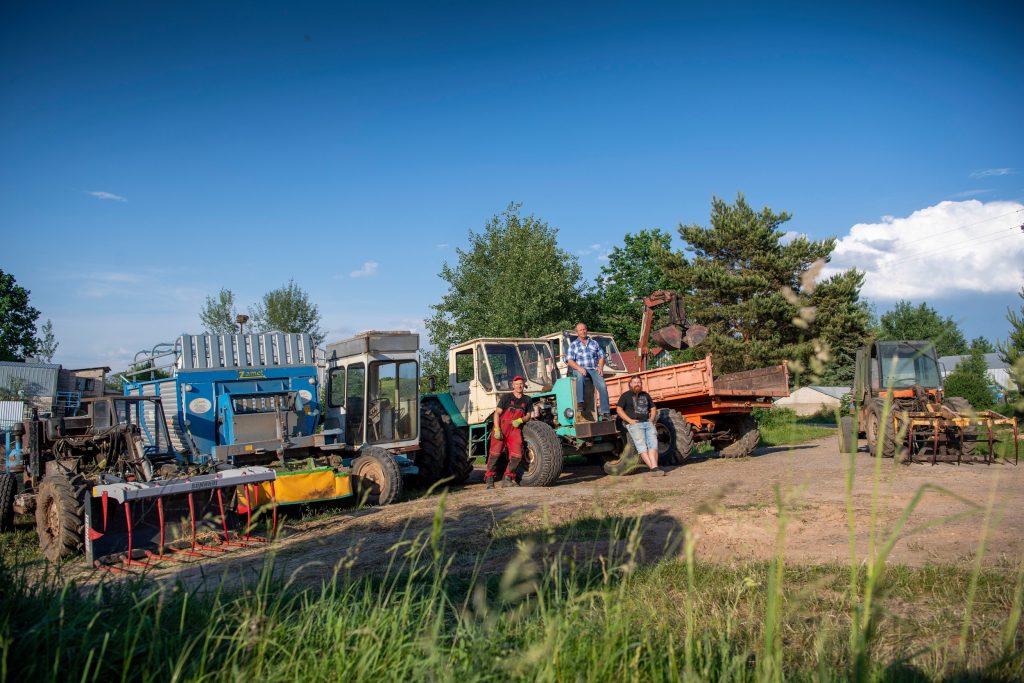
1012, 350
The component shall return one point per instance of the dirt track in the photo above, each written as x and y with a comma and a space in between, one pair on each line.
728, 504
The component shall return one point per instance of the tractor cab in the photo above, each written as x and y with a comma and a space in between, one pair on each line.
901, 367
559, 342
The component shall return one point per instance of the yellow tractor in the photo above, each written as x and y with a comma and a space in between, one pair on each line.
899, 406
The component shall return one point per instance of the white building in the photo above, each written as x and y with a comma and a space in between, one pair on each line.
812, 399
998, 371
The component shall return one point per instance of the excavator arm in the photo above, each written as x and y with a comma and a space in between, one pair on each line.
679, 334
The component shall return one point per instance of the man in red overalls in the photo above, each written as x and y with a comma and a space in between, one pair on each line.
513, 410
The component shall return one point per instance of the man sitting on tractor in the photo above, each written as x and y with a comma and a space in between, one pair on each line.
586, 358
513, 410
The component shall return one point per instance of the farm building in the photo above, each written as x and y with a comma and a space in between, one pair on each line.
998, 370
812, 399
49, 387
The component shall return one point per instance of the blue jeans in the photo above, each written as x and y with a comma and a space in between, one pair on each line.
645, 437
602, 389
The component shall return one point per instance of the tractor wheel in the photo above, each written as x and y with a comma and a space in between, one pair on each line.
432, 457
969, 436
847, 437
626, 462
378, 481
542, 454
459, 463
7, 491
875, 430
675, 437
748, 436
60, 516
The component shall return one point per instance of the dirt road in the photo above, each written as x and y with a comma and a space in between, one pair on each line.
729, 504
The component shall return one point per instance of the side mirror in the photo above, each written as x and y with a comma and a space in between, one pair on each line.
432, 383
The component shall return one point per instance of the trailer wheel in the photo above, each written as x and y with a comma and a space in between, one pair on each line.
969, 435
747, 438
378, 480
60, 516
542, 454
7, 490
675, 437
847, 436
431, 457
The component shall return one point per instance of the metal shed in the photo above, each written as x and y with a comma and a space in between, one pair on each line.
38, 381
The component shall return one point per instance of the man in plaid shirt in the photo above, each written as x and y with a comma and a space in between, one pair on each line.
586, 358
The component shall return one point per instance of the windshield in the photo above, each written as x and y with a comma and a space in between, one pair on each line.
612, 357
906, 366
531, 360
149, 416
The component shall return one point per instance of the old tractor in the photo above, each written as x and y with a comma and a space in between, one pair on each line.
110, 482
900, 407
254, 399
481, 370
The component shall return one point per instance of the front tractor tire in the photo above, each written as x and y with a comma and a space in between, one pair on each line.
7, 490
431, 458
969, 435
378, 481
542, 454
745, 437
675, 437
60, 516
876, 430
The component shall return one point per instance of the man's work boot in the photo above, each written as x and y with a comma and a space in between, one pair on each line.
509, 482
489, 480
656, 472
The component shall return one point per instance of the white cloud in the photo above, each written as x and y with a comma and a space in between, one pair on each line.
108, 195
969, 193
442, 245
989, 172
368, 269
949, 248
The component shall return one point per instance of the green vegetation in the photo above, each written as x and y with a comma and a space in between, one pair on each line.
1012, 350
285, 309
970, 380
906, 321
782, 427
17, 320
583, 600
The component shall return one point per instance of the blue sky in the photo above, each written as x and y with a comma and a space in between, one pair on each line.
155, 152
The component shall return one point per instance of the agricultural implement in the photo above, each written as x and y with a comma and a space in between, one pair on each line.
109, 482
900, 407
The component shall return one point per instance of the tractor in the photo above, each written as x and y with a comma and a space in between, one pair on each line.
110, 482
900, 407
481, 370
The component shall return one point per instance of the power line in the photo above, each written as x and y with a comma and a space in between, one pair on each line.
961, 227
947, 248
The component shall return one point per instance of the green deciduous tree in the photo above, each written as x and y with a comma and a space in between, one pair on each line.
17, 320
287, 309
1012, 349
632, 272
757, 294
218, 313
970, 380
512, 280
922, 322
46, 344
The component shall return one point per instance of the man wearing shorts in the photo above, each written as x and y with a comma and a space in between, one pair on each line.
636, 409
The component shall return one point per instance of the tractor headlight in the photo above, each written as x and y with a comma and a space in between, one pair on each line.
569, 413
312, 380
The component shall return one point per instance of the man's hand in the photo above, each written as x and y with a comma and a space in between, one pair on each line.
497, 433
518, 422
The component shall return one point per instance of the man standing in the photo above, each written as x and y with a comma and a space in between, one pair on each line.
636, 408
586, 359
513, 410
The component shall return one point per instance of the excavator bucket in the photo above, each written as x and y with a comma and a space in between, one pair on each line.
676, 337
164, 519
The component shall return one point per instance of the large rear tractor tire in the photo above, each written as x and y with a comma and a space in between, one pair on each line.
60, 516
847, 435
378, 481
542, 454
969, 435
7, 491
459, 464
747, 437
876, 430
431, 458
675, 437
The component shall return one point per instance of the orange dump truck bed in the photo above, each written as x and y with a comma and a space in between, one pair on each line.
693, 390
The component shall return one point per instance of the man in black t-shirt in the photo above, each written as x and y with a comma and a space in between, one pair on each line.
636, 409
513, 410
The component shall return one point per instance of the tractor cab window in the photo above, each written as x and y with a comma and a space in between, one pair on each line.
354, 385
504, 362
482, 372
391, 412
537, 362
336, 388
905, 366
464, 366
101, 415
612, 357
